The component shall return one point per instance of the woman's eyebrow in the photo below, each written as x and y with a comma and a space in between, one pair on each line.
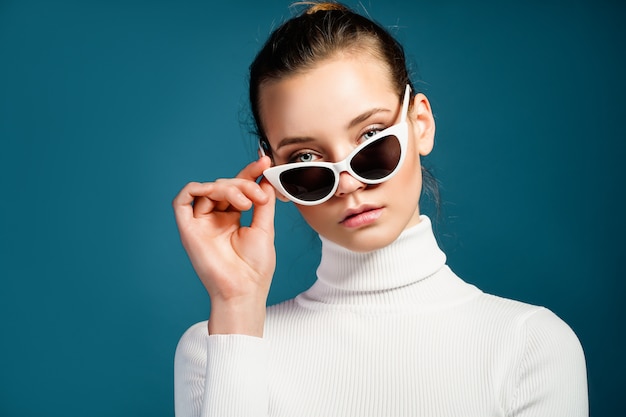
292, 141
366, 115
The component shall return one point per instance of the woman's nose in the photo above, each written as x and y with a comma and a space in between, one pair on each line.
348, 184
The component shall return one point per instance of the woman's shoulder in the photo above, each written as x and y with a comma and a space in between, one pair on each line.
533, 326
521, 312
518, 313
548, 367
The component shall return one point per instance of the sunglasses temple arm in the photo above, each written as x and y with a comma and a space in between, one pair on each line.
405, 102
265, 150
261, 150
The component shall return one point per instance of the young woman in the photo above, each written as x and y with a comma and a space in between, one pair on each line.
387, 329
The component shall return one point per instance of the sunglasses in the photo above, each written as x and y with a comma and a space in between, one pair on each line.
372, 162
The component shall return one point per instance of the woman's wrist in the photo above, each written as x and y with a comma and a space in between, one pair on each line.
241, 317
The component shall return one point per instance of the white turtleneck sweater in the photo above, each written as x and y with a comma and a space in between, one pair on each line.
392, 332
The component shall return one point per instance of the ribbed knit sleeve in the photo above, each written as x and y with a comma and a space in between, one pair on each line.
552, 376
220, 375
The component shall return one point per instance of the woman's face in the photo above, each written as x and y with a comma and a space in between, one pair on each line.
322, 115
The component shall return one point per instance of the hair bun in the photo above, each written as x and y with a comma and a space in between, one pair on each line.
314, 6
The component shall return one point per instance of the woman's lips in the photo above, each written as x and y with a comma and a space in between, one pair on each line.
362, 217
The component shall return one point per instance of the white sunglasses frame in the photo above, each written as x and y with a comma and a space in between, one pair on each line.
399, 130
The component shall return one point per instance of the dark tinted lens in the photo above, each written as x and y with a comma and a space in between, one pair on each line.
308, 183
378, 159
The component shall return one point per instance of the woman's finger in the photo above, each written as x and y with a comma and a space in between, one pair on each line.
198, 199
202, 205
263, 215
182, 203
238, 193
255, 169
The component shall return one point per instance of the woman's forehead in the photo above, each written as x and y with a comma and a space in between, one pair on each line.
331, 93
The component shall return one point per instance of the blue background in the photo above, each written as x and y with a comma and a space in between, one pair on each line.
107, 108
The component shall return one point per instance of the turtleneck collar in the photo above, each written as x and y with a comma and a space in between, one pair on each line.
413, 256
393, 275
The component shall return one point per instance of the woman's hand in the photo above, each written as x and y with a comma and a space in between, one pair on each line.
235, 263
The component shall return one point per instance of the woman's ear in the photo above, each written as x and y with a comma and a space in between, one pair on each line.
422, 122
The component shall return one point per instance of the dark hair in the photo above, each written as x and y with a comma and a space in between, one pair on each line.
319, 32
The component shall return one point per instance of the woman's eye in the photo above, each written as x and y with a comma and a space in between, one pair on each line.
303, 157
371, 133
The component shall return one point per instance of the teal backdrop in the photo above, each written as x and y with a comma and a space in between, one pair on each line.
107, 108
